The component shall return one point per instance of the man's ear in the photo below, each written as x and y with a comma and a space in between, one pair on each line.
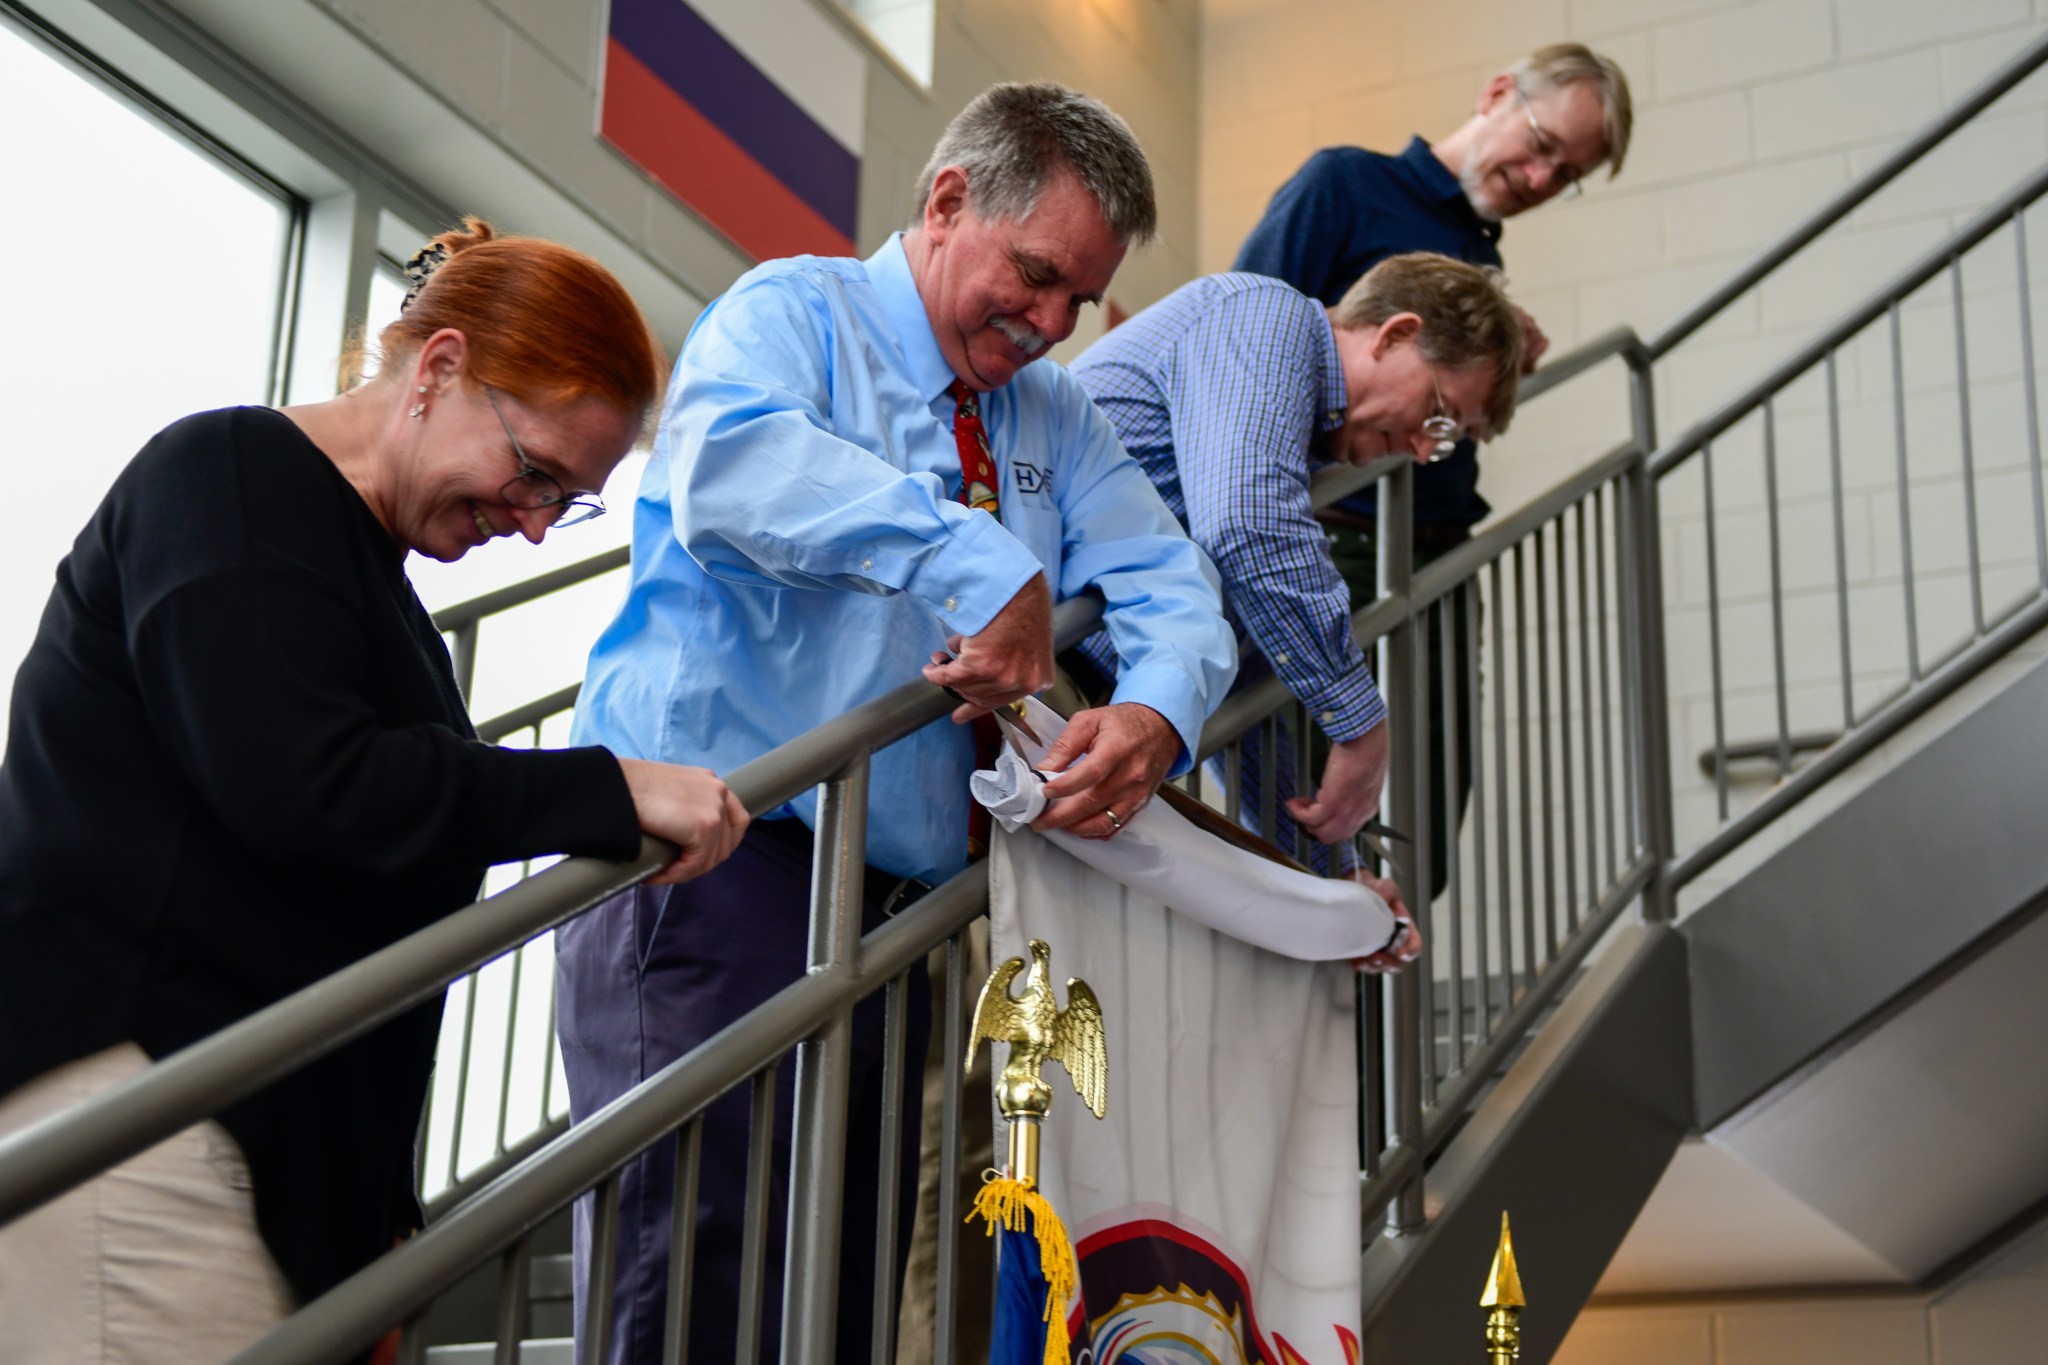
1500, 87
947, 202
1399, 330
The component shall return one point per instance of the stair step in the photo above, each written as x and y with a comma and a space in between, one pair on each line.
542, 1351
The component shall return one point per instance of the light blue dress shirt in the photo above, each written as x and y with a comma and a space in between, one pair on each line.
799, 547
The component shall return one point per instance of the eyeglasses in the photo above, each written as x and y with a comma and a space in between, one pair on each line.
1549, 150
531, 489
1439, 426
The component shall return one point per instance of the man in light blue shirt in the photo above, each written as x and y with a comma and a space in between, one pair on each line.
800, 547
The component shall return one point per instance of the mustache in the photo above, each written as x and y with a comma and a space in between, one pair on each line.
1017, 334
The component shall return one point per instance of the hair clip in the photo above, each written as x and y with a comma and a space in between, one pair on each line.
424, 263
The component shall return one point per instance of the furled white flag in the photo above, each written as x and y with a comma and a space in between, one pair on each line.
1215, 1212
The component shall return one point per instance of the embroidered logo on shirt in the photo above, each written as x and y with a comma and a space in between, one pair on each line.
1032, 479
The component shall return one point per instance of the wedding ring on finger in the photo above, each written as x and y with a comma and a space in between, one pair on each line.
1115, 825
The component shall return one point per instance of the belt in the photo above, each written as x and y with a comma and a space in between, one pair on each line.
795, 835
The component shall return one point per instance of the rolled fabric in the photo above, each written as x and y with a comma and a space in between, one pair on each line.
1160, 854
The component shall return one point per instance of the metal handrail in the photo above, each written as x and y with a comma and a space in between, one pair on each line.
1930, 264
43, 1161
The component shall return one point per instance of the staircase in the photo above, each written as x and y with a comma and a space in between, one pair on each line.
1569, 1026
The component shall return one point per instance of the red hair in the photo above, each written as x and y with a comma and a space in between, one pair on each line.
544, 323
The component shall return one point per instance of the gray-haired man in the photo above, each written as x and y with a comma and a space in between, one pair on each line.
809, 535
1536, 131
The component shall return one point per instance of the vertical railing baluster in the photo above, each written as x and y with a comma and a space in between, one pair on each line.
1421, 902
464, 652
604, 1248
1714, 681
1448, 680
1527, 842
514, 1268
1541, 720
1500, 795
1408, 792
1905, 498
1569, 816
1585, 633
753, 1221
682, 1242
1474, 747
1304, 774
462, 1070
1269, 779
1611, 865
1841, 547
889, 1178
1777, 586
412, 1341
810, 1293
1372, 1068
1233, 780
1955, 280
511, 1039
2030, 386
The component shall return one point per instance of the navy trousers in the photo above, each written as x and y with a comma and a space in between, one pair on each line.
647, 976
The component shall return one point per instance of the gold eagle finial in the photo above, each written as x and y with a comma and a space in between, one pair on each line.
1038, 1031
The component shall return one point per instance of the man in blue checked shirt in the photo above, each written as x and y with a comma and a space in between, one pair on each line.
1232, 389
1537, 131
800, 546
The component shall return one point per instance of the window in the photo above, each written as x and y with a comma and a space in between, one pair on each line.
904, 29
147, 282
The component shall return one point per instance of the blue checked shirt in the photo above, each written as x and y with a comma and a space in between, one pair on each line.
1221, 390
799, 546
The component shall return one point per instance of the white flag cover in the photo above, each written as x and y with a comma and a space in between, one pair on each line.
1159, 853
1215, 1211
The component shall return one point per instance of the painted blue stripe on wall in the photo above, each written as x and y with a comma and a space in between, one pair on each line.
696, 62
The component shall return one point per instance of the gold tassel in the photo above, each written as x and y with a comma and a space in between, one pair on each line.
1007, 1202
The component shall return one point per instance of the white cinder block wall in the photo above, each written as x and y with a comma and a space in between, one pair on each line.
527, 71
1748, 116
1994, 1314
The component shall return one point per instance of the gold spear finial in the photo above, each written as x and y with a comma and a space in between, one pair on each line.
1504, 1302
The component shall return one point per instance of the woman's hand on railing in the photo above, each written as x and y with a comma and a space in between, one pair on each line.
691, 808
1407, 946
1353, 776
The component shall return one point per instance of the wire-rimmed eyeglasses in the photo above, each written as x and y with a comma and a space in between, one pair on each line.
1549, 150
531, 489
1440, 426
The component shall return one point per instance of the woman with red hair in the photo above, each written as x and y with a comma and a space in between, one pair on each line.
238, 761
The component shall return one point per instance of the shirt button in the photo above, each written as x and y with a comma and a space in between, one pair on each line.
867, 563
1336, 415
952, 604
1328, 716
1279, 658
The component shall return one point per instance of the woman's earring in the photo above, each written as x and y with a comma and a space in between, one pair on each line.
418, 409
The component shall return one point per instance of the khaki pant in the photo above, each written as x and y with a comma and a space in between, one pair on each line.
976, 1279
156, 1262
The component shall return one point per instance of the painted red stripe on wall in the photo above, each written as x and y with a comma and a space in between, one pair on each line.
668, 138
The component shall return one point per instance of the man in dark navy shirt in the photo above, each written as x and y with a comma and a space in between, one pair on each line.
1536, 131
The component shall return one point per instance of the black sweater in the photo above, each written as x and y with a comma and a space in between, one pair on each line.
236, 762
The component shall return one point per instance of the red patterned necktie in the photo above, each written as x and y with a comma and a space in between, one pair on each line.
977, 490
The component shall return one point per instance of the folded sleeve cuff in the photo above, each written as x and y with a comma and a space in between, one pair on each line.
1174, 696
974, 574
1347, 708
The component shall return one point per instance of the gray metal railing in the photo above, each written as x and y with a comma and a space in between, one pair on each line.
1561, 611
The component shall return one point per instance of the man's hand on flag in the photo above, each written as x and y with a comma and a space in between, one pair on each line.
1109, 760
1010, 658
1353, 776
1408, 945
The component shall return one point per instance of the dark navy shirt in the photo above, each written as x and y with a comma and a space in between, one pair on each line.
1345, 211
